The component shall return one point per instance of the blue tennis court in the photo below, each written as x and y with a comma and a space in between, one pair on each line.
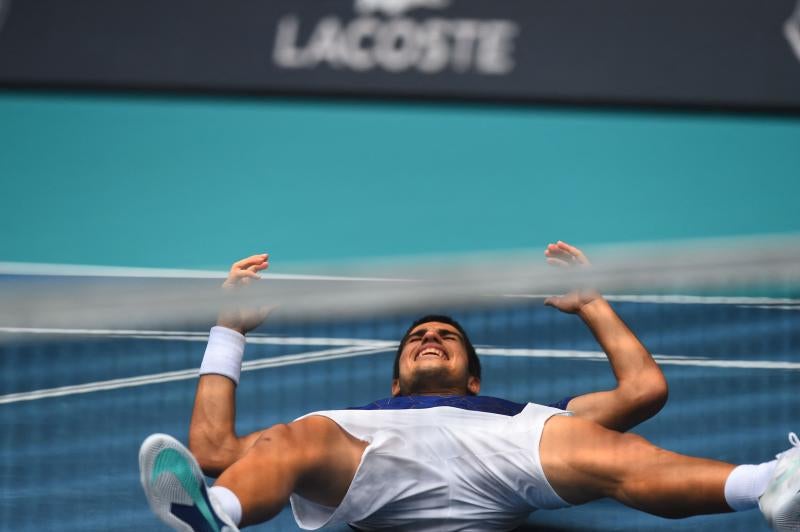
76, 404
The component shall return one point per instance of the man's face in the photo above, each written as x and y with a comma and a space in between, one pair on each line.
434, 362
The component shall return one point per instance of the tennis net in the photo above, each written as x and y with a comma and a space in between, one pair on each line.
92, 361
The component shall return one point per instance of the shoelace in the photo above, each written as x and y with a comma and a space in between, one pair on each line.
794, 440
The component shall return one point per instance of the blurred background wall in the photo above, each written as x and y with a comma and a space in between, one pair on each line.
174, 182
131, 134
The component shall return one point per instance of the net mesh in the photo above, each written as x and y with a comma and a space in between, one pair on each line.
91, 364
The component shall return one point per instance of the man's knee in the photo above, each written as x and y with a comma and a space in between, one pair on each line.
279, 434
306, 441
279, 439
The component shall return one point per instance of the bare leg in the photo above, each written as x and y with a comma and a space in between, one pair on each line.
584, 461
313, 457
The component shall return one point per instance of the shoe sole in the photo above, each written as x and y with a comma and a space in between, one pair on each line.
173, 482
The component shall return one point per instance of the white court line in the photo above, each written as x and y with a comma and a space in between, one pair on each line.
194, 336
169, 376
772, 307
379, 347
766, 302
197, 336
661, 359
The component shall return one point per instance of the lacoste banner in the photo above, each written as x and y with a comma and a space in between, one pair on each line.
717, 53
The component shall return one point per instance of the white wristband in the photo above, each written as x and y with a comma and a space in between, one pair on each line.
224, 353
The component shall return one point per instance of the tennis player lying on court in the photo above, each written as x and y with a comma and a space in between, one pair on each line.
437, 456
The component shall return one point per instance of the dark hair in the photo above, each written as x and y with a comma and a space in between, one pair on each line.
473, 363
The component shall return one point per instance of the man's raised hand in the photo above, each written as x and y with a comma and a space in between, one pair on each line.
246, 270
562, 255
237, 317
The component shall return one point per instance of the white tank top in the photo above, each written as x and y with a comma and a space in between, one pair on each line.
430, 467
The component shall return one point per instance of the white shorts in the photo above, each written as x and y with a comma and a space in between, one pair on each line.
440, 468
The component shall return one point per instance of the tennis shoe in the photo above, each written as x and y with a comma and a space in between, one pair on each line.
176, 488
780, 502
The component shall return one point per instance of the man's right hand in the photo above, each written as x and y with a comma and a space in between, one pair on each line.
242, 273
562, 255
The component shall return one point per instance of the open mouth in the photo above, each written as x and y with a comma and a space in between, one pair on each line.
431, 351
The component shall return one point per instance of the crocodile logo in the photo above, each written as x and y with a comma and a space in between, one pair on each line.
393, 8
791, 30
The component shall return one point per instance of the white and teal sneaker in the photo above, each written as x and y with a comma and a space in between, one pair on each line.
780, 502
176, 488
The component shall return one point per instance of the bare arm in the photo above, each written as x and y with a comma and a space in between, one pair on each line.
641, 389
212, 433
